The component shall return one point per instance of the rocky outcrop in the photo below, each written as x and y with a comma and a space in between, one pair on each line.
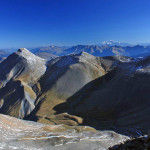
142, 142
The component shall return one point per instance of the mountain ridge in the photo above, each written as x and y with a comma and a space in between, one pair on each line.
77, 88
51, 52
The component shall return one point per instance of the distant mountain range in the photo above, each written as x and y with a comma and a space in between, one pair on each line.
53, 51
113, 43
107, 49
95, 50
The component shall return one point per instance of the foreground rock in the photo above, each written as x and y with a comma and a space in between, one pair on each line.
141, 143
18, 134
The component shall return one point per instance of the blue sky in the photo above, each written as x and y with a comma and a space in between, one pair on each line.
31, 23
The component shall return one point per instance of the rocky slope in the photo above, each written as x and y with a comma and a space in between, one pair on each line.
65, 76
139, 143
118, 100
18, 73
18, 134
104, 92
27, 86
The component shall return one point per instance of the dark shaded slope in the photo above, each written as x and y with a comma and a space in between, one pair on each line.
118, 101
133, 144
8, 64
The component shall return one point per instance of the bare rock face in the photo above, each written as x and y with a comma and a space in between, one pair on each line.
22, 65
36, 64
73, 71
18, 73
142, 142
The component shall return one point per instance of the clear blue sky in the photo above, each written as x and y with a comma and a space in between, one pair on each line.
27, 23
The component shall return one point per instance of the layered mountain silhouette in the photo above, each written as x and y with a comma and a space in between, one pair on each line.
109, 92
96, 50
109, 49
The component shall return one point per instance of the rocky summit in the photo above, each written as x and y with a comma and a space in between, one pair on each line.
18, 73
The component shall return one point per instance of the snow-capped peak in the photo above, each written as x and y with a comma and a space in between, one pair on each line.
75, 58
30, 57
113, 43
27, 54
34, 62
108, 42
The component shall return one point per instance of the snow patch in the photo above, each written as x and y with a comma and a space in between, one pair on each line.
36, 64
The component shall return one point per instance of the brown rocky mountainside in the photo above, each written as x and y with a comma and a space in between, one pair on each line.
27, 86
18, 73
103, 92
118, 100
